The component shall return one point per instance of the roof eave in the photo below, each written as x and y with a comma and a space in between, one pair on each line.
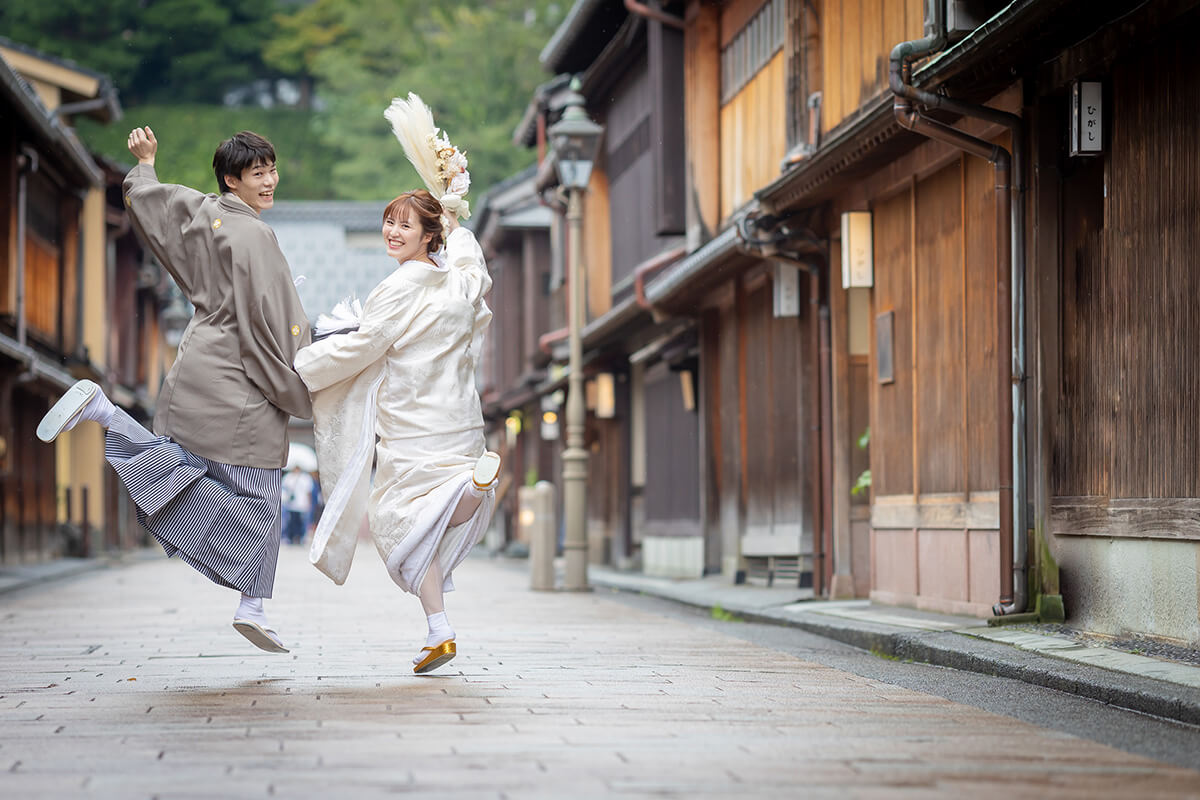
57, 137
569, 31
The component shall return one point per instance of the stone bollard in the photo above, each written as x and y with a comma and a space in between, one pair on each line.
536, 518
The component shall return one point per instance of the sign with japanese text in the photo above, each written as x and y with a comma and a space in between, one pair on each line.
1087, 118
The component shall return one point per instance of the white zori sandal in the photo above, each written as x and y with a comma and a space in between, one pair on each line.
486, 470
64, 412
260, 637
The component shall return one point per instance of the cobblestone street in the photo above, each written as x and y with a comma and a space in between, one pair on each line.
130, 682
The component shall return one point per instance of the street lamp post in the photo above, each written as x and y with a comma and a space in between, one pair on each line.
575, 138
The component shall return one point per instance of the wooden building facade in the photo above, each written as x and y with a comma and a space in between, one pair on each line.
1004, 403
1114, 292
515, 229
76, 300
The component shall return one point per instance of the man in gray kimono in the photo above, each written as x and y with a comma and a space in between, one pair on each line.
206, 482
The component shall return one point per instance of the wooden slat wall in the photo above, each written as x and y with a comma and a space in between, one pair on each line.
672, 492
891, 427
8, 222
753, 135
41, 286
537, 249
632, 219
506, 293
29, 508
729, 471
831, 63
779, 399
69, 322
933, 429
872, 52
665, 46
124, 334
860, 417
605, 458
702, 106
979, 249
597, 245
847, 72
709, 396
938, 332
914, 23
792, 398
760, 439
532, 300
1130, 389
631, 173
1079, 452
857, 36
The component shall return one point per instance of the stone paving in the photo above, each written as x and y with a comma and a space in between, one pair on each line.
130, 682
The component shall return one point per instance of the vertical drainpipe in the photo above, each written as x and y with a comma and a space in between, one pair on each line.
816, 449
1010, 304
826, 477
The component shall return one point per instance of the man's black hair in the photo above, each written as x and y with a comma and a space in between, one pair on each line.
240, 152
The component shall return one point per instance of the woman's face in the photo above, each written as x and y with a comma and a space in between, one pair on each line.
405, 239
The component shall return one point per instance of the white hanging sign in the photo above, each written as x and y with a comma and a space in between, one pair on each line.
858, 260
1087, 118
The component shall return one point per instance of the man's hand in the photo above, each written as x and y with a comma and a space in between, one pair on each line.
143, 145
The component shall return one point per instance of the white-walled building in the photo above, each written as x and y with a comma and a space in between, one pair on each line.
336, 246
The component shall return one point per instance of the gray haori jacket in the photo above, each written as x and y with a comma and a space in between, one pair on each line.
232, 387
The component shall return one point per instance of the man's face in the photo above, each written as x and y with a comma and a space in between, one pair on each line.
257, 185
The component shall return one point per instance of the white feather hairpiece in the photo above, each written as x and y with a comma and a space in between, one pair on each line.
440, 165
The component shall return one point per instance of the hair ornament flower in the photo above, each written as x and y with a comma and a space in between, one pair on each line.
440, 165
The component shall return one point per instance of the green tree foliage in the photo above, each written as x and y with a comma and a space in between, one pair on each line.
474, 63
154, 50
188, 135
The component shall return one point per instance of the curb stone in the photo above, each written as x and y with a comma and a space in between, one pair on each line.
971, 654
23, 576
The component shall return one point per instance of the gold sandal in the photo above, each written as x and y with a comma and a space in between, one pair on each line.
438, 655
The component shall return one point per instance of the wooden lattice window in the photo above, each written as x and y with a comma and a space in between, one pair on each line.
752, 47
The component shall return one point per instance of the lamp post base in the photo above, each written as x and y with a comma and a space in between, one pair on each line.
575, 506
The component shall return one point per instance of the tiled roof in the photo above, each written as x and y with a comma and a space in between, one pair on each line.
352, 216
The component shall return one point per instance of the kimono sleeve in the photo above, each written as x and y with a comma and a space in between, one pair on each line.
344, 355
464, 253
157, 212
272, 326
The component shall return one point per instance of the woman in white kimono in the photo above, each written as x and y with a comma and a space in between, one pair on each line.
407, 376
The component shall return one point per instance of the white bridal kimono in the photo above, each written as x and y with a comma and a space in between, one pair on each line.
407, 375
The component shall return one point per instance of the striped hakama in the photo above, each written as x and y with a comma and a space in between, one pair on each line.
224, 520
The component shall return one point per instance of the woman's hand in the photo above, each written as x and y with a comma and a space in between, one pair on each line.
449, 219
143, 145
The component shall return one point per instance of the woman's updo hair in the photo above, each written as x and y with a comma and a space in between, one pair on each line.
429, 214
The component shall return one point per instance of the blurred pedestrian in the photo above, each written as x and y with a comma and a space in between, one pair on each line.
318, 503
297, 504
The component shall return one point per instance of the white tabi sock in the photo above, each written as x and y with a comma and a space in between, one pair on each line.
251, 608
439, 631
99, 409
